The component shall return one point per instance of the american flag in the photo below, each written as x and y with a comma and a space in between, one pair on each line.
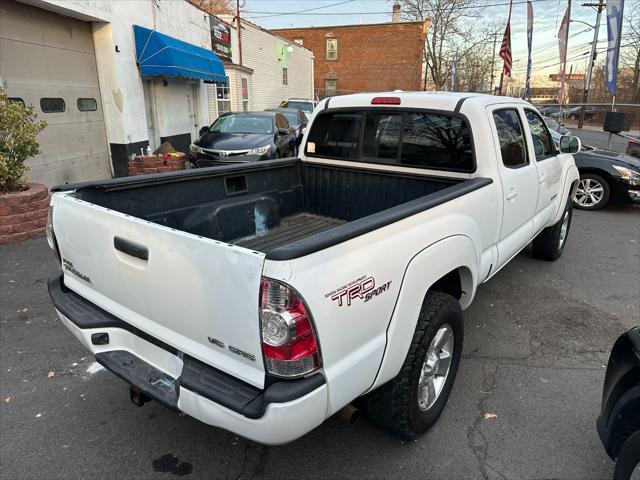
505, 48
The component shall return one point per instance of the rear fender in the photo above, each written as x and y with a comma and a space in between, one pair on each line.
424, 270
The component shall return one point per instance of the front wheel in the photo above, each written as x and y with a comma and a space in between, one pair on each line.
593, 192
411, 403
550, 242
628, 462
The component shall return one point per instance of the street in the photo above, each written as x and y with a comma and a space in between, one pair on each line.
523, 406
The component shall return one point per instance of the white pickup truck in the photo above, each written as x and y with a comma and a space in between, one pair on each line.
264, 297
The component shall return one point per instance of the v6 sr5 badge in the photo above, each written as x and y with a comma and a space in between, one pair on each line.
362, 289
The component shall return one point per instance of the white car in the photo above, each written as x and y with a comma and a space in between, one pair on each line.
264, 298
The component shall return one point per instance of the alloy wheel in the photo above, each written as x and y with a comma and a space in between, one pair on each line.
590, 192
435, 368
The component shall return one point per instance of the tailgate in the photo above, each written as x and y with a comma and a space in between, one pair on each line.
189, 290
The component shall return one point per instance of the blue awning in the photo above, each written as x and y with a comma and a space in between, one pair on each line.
159, 55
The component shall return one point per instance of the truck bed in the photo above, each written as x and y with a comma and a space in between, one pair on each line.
284, 208
290, 229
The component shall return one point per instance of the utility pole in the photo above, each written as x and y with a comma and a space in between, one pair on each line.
592, 58
239, 25
493, 61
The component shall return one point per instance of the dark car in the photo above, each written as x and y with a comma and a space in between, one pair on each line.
619, 420
296, 118
548, 111
604, 175
589, 112
244, 137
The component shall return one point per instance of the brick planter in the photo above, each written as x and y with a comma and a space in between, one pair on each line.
23, 214
145, 164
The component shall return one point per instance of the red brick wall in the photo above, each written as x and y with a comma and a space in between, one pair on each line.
370, 57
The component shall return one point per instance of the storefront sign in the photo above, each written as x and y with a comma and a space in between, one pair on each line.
220, 38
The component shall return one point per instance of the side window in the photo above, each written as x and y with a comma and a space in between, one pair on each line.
542, 141
335, 135
382, 135
510, 134
52, 105
437, 141
87, 104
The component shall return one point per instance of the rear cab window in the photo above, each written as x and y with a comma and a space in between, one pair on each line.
411, 138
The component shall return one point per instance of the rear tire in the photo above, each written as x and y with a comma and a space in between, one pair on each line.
550, 242
401, 406
628, 463
593, 192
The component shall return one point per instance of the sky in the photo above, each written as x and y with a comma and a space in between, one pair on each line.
547, 17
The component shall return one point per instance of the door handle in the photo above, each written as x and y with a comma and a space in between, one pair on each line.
131, 248
512, 195
542, 179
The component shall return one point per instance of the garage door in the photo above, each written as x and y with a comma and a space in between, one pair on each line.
48, 61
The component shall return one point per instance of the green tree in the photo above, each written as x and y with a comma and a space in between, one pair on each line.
18, 141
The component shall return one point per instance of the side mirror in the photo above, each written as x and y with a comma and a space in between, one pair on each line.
283, 131
570, 144
203, 130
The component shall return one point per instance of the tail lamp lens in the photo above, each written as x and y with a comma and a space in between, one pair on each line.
288, 338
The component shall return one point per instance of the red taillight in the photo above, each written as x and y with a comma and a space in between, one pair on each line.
288, 338
385, 101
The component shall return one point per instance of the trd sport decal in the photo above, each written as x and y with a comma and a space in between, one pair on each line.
363, 288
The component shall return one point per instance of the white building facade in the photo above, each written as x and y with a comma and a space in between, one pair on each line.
269, 69
75, 62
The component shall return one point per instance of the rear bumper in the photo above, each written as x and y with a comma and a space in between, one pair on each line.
278, 414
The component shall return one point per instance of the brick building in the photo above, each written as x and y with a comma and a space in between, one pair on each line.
364, 58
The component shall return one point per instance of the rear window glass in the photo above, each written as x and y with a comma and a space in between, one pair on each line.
411, 138
335, 135
52, 105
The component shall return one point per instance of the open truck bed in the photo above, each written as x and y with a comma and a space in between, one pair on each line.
283, 208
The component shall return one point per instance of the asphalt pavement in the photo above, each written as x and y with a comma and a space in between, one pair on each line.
524, 404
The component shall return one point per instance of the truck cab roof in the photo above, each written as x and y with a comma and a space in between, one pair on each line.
447, 101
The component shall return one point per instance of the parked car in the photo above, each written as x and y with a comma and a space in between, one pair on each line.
633, 146
265, 297
558, 127
296, 118
547, 111
306, 105
619, 420
589, 112
244, 137
604, 175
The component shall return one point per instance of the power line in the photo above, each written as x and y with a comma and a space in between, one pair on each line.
386, 12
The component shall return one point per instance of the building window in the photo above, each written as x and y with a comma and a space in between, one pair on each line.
87, 104
17, 100
285, 76
299, 41
52, 105
330, 87
223, 97
245, 94
332, 48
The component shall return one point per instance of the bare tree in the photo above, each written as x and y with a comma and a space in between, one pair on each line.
630, 52
448, 36
215, 6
